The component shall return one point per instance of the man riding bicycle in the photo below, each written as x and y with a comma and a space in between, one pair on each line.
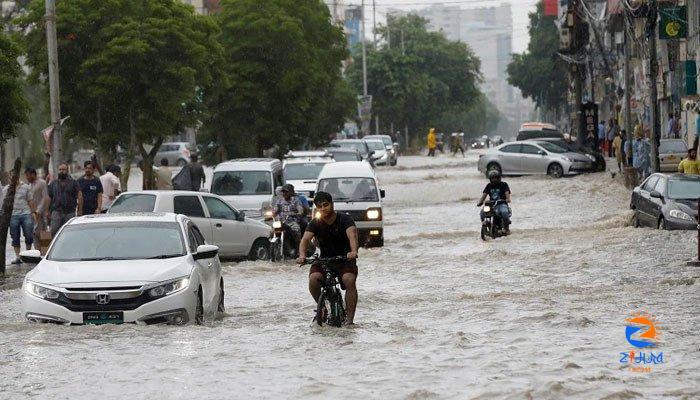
290, 211
499, 194
336, 235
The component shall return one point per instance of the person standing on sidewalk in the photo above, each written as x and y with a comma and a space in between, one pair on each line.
196, 173
164, 176
62, 200
111, 186
22, 210
617, 147
39, 193
610, 136
91, 191
600, 143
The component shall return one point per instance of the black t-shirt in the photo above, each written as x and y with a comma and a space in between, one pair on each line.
332, 238
497, 191
91, 188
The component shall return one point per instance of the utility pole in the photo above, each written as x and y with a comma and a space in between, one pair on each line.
628, 82
574, 69
54, 92
364, 50
653, 72
374, 21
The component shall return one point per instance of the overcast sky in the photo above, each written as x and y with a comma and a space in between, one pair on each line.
520, 9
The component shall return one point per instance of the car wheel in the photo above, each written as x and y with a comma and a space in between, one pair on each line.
555, 171
181, 162
199, 310
662, 224
493, 167
635, 219
260, 250
221, 308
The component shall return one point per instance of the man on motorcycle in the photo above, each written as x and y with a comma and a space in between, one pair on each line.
499, 194
289, 210
337, 236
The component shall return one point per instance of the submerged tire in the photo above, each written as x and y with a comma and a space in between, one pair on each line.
260, 250
221, 308
484, 232
555, 170
321, 316
199, 310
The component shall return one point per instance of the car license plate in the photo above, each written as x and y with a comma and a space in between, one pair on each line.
103, 317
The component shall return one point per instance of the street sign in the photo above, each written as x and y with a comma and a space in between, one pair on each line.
674, 21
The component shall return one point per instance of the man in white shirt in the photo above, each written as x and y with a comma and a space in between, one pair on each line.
111, 186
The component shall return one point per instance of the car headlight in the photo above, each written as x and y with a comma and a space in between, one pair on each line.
169, 287
373, 213
680, 215
567, 159
277, 224
393, 151
590, 157
39, 291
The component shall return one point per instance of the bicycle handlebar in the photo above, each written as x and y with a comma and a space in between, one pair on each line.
311, 260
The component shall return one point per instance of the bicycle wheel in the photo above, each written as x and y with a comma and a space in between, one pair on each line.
337, 316
322, 309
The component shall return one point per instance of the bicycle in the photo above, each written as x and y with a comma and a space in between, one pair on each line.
331, 297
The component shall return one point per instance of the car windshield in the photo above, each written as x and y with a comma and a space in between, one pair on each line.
684, 189
350, 189
241, 183
133, 203
359, 146
302, 171
376, 145
345, 156
118, 241
672, 146
551, 147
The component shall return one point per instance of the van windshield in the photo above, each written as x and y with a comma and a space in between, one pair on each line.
350, 189
302, 171
241, 183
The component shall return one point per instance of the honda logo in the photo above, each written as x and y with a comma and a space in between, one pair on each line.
102, 298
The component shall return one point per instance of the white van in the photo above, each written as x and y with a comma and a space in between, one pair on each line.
355, 192
248, 184
301, 169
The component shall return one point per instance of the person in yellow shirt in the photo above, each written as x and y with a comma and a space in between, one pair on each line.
690, 165
432, 142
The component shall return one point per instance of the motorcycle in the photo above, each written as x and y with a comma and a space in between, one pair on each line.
283, 245
330, 309
492, 225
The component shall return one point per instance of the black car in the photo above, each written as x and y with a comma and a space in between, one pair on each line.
596, 157
667, 201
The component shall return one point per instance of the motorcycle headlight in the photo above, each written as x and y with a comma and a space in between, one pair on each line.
169, 287
373, 213
277, 224
487, 209
317, 215
39, 291
268, 214
680, 215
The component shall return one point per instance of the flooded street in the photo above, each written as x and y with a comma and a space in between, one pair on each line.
441, 314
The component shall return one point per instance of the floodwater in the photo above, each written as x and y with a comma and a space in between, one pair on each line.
539, 314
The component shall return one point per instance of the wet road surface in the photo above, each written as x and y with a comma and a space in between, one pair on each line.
441, 314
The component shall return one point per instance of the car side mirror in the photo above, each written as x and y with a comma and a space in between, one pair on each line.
542, 153
205, 251
382, 193
240, 216
30, 256
656, 195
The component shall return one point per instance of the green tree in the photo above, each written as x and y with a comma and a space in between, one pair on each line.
538, 72
282, 62
14, 108
417, 76
130, 70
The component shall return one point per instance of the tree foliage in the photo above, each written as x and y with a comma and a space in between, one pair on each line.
129, 70
14, 108
538, 72
417, 76
282, 80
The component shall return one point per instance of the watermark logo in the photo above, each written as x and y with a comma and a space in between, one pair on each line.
642, 332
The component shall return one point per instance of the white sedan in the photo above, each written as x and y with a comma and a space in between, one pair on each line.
145, 268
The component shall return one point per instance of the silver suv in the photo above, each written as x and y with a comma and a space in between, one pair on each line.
532, 157
177, 153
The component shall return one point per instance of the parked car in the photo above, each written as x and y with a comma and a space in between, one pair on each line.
596, 157
248, 184
538, 130
392, 148
667, 201
380, 154
344, 154
143, 268
671, 152
301, 170
355, 192
219, 222
531, 158
357, 144
177, 153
